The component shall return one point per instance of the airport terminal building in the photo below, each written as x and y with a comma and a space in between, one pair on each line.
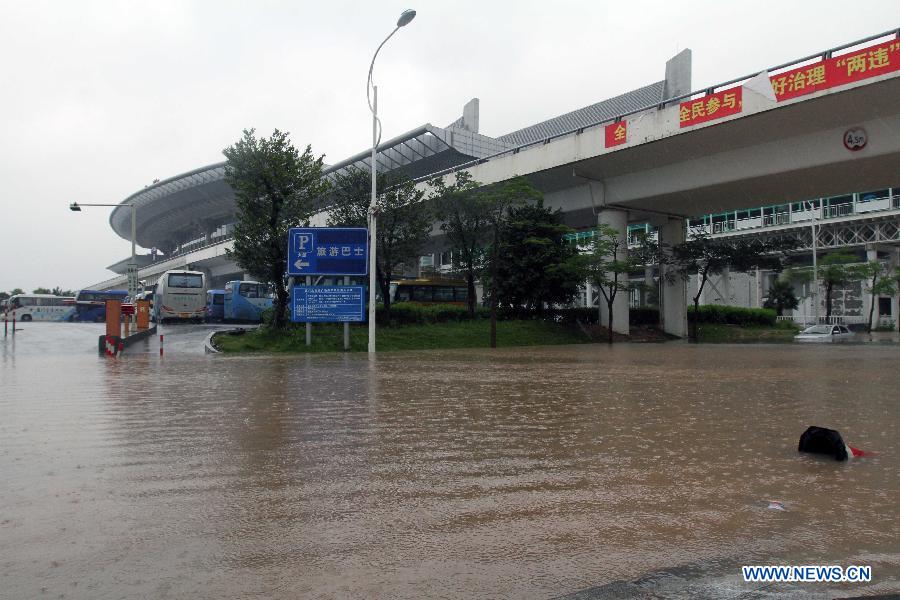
187, 220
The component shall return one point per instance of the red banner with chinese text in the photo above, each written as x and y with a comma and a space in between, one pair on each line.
841, 70
616, 133
714, 106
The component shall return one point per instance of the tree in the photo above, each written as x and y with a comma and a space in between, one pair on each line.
879, 282
540, 266
497, 201
4, 295
705, 256
16, 291
58, 291
404, 220
464, 220
275, 188
607, 265
41, 290
835, 271
781, 296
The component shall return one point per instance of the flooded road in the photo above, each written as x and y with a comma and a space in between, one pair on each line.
518, 473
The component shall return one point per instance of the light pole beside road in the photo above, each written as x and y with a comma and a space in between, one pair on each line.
815, 290
132, 266
372, 97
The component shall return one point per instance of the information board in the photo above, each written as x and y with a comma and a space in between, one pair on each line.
328, 251
328, 304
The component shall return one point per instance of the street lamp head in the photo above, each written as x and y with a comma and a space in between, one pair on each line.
74, 207
405, 17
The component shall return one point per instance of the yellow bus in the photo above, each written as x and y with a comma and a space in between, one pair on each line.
429, 291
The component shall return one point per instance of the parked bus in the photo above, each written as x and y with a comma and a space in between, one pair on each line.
40, 307
180, 295
246, 300
90, 305
429, 291
215, 305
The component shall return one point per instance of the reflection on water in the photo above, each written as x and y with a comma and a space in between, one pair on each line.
513, 473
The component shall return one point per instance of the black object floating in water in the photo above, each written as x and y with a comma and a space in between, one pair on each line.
819, 440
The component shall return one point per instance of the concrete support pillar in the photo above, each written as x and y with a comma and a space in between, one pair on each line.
895, 299
757, 302
871, 256
618, 220
673, 299
725, 287
588, 293
208, 228
648, 284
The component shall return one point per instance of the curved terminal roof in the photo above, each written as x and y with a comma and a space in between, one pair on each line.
184, 207
178, 204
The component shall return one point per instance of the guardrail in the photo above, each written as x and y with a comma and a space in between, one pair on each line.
822, 320
820, 214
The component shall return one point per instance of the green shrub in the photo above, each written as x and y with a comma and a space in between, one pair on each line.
555, 315
733, 315
268, 314
409, 313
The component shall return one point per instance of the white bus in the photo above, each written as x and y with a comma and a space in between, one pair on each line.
40, 307
180, 295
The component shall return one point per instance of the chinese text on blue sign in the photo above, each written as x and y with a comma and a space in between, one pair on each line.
328, 251
327, 304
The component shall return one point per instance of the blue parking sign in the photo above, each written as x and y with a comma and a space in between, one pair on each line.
328, 251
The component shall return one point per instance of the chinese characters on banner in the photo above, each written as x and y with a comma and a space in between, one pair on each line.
856, 66
714, 106
616, 133
841, 70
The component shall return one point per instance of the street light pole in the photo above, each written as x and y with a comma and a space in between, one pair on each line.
132, 266
815, 281
372, 96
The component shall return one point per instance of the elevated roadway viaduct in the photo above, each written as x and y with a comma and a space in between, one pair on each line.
773, 150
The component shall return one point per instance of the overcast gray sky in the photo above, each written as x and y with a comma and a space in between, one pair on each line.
100, 98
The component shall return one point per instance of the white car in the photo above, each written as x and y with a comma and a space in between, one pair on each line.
824, 333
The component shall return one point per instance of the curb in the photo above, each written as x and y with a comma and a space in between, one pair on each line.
125, 341
208, 347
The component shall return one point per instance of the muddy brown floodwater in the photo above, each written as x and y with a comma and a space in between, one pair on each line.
517, 473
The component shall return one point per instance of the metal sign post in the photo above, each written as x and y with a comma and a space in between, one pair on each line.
308, 323
346, 323
132, 279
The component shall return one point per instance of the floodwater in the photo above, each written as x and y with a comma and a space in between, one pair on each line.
517, 473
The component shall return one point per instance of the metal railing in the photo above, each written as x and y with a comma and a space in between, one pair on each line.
822, 213
823, 320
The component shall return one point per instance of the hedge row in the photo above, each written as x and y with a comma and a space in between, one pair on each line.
405, 313
732, 315
416, 314
421, 314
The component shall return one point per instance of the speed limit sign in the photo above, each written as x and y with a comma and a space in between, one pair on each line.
855, 139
